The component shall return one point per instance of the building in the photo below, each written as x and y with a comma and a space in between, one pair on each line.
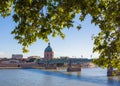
30, 57
17, 56
48, 53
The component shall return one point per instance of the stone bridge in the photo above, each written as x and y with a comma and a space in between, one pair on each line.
70, 62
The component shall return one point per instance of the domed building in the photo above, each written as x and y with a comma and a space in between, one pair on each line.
48, 53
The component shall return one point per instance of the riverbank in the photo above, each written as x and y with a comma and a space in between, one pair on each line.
40, 66
21, 68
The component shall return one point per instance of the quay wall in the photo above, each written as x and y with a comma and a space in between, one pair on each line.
20, 65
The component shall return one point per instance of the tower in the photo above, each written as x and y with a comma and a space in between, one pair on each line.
48, 53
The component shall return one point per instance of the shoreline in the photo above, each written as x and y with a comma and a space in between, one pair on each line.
37, 66
22, 68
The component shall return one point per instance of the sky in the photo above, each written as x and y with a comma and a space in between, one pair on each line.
75, 44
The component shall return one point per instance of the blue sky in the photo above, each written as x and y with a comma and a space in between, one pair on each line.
75, 44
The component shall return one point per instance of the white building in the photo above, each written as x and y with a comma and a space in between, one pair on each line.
17, 56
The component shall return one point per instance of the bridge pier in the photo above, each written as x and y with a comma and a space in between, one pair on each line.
72, 69
50, 66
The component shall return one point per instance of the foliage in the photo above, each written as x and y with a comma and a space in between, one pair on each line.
32, 60
36, 19
107, 43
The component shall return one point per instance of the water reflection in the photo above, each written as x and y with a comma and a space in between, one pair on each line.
114, 81
78, 73
37, 77
92, 76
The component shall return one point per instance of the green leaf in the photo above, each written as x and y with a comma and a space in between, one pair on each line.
79, 27
30, 1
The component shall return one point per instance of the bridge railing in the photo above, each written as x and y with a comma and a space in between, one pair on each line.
55, 61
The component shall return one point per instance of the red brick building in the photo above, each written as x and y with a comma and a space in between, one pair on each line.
48, 53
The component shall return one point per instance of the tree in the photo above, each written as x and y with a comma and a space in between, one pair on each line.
32, 60
36, 19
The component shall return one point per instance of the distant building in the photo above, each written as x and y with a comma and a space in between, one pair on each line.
4, 60
14, 61
64, 57
17, 56
48, 53
37, 57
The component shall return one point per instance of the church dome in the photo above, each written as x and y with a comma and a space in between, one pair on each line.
48, 48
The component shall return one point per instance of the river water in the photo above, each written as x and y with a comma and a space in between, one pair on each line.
37, 77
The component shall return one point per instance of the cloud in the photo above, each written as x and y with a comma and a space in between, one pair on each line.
3, 54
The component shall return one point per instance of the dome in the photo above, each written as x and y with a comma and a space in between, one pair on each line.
48, 48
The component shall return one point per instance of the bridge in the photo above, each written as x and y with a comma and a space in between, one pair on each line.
48, 64
65, 61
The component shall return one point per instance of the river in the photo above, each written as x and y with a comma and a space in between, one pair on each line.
37, 77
